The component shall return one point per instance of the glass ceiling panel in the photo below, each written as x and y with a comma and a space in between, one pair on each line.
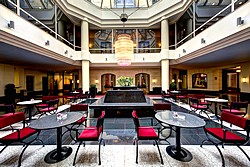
123, 3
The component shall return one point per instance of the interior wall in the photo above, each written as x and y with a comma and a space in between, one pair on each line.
214, 78
155, 74
6, 76
245, 73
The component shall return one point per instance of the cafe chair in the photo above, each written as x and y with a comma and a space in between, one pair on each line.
91, 133
237, 108
45, 100
163, 107
144, 133
182, 96
227, 136
81, 122
165, 95
197, 105
18, 135
50, 109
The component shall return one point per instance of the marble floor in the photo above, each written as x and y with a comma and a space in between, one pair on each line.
124, 156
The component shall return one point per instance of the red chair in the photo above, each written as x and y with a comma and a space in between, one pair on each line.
45, 100
237, 108
165, 95
145, 133
92, 133
50, 109
17, 135
195, 105
163, 107
82, 121
229, 136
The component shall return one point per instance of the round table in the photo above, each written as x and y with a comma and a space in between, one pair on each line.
216, 101
51, 122
30, 104
183, 120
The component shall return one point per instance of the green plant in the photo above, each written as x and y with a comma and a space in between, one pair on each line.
172, 86
125, 81
92, 85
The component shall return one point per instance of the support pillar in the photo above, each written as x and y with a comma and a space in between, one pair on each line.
164, 54
85, 54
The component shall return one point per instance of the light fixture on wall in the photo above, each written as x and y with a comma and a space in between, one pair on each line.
203, 40
240, 21
96, 81
173, 80
66, 52
179, 80
184, 51
11, 24
47, 43
238, 70
77, 81
244, 79
154, 81
124, 50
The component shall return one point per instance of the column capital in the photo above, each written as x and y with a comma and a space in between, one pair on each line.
85, 19
164, 18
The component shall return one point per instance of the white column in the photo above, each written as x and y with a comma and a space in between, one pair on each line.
85, 75
164, 34
85, 54
18, 7
164, 54
194, 11
232, 5
165, 74
55, 14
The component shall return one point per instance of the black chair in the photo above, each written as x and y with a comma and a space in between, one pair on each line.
145, 133
237, 108
91, 133
229, 136
196, 105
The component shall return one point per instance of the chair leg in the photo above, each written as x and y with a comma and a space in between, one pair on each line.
74, 162
243, 152
99, 153
136, 141
159, 152
4, 148
20, 157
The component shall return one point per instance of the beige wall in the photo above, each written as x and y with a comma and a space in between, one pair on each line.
245, 73
155, 73
214, 76
10, 74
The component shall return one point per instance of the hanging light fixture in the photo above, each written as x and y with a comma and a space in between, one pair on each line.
124, 50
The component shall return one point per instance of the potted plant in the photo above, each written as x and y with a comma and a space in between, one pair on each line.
125, 81
172, 86
92, 90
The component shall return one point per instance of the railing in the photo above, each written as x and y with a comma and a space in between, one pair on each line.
193, 33
136, 50
45, 26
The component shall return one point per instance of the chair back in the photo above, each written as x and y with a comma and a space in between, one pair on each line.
236, 120
53, 103
162, 106
136, 120
193, 101
239, 105
47, 98
99, 123
79, 107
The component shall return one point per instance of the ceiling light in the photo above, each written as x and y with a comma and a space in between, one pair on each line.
124, 50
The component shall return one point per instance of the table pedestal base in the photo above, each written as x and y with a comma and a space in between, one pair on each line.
53, 157
184, 155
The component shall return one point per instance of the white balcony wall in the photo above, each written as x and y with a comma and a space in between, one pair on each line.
218, 31
29, 32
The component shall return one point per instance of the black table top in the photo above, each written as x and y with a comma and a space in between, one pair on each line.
51, 122
184, 120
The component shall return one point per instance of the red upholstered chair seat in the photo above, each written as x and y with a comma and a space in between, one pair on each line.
198, 106
229, 137
24, 133
82, 120
48, 109
147, 133
89, 133
42, 105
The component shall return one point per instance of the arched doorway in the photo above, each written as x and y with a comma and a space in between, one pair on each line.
107, 82
142, 81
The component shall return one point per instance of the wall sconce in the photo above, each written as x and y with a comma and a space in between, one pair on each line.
173, 80
203, 40
244, 79
66, 52
96, 81
47, 43
184, 51
238, 70
11, 25
240, 21
143, 59
77, 81
179, 80
154, 81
